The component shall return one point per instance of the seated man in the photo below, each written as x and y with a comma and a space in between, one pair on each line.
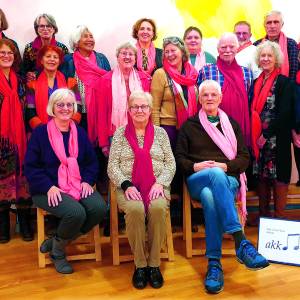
213, 157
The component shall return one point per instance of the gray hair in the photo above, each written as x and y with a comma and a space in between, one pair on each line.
50, 20
210, 82
139, 94
76, 36
273, 12
58, 95
228, 35
126, 45
178, 42
275, 49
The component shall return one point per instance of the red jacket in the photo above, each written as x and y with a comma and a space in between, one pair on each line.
105, 127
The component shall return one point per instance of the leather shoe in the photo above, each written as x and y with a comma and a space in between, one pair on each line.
155, 277
139, 278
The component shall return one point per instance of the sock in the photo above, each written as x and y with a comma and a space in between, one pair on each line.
238, 237
210, 260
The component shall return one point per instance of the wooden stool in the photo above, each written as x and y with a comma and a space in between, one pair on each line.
188, 235
92, 239
115, 236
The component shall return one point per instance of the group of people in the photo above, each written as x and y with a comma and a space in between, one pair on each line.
64, 116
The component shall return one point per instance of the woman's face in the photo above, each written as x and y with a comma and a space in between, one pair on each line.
63, 110
140, 111
126, 58
210, 100
193, 41
267, 60
45, 30
145, 33
173, 55
86, 42
50, 61
6, 57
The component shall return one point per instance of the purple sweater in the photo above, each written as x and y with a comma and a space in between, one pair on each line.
41, 163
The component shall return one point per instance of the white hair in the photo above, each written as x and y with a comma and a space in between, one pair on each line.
58, 95
76, 36
139, 94
210, 82
228, 35
273, 12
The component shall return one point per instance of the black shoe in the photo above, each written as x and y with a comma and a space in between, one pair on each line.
4, 226
155, 278
139, 278
24, 222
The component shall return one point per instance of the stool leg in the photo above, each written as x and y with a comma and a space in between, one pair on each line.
188, 222
41, 237
97, 243
171, 255
114, 230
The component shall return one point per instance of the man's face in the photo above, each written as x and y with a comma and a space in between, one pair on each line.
242, 33
273, 25
227, 49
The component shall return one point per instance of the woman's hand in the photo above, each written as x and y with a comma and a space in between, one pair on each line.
86, 190
204, 165
30, 76
261, 142
223, 166
156, 191
132, 193
54, 196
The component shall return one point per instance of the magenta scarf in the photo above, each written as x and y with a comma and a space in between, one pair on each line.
142, 171
37, 43
90, 74
228, 144
151, 58
235, 99
69, 179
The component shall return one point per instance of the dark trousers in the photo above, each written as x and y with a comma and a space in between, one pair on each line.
76, 217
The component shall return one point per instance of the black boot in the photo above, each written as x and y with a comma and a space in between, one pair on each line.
4, 226
58, 256
24, 222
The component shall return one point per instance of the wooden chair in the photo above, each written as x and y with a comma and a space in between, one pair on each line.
188, 235
116, 237
90, 240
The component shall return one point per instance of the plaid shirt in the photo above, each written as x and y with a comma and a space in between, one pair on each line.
213, 72
292, 49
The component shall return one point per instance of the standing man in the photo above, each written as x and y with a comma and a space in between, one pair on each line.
246, 52
273, 24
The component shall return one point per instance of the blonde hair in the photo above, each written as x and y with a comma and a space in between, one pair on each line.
275, 49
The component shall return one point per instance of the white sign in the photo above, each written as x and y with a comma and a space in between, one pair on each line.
279, 240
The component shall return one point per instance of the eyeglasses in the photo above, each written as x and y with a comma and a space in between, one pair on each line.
172, 40
8, 53
48, 26
124, 54
136, 108
62, 105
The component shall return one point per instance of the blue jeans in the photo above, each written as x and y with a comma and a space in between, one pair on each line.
216, 191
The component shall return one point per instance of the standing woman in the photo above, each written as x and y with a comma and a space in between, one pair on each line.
45, 28
273, 116
193, 41
12, 145
149, 58
87, 66
50, 79
117, 85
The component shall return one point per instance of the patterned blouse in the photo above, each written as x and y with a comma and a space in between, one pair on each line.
121, 158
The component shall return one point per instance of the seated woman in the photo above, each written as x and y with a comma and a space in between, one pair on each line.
141, 166
116, 87
45, 28
213, 157
193, 40
13, 186
61, 169
149, 58
49, 80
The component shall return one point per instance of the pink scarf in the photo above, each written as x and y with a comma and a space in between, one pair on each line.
235, 99
120, 96
69, 179
228, 144
200, 60
142, 171
37, 43
151, 58
90, 74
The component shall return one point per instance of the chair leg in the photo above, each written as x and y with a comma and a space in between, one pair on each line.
97, 242
187, 222
41, 237
171, 254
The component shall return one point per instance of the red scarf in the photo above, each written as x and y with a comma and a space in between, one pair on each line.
69, 179
90, 74
142, 171
12, 128
41, 94
245, 45
151, 58
37, 43
298, 77
261, 93
188, 79
235, 99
